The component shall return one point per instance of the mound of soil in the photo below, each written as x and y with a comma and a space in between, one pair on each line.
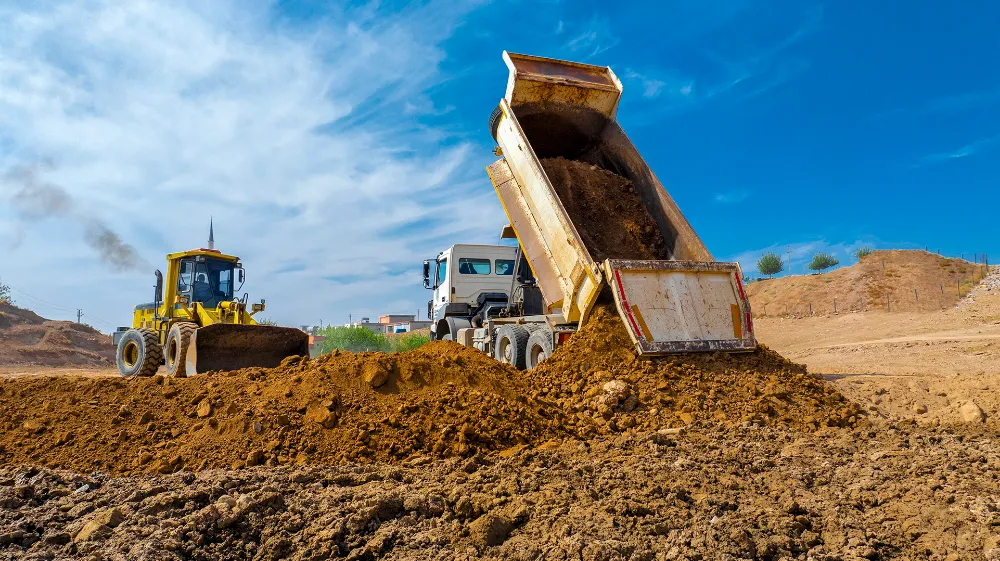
606, 211
597, 376
27, 339
881, 279
705, 493
439, 400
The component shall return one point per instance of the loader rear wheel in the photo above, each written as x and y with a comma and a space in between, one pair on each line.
139, 353
178, 340
539, 347
511, 345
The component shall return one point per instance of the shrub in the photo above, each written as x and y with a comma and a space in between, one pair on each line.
863, 251
361, 339
5, 293
770, 264
822, 261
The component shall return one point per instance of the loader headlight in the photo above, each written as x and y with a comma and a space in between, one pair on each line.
258, 307
183, 300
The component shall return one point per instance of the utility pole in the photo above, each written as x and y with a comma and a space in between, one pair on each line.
788, 253
79, 315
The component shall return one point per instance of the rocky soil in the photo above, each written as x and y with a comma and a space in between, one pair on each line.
703, 492
27, 339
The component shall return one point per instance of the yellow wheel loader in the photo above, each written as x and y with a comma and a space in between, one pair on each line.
197, 324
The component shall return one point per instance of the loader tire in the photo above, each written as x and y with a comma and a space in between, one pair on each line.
176, 348
511, 345
139, 353
540, 347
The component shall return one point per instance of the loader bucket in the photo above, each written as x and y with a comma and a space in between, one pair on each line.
222, 347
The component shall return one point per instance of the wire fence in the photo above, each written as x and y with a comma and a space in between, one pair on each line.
890, 292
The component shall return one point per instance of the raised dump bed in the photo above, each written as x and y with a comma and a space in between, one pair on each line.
590, 214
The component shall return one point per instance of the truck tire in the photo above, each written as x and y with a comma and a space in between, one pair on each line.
139, 353
495, 121
540, 347
511, 345
176, 348
454, 324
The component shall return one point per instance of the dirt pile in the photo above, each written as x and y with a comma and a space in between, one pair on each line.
881, 279
606, 211
29, 339
597, 377
705, 493
440, 400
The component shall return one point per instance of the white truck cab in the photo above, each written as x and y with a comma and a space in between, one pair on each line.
469, 281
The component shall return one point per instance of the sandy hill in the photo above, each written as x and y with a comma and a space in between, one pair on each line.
886, 277
29, 339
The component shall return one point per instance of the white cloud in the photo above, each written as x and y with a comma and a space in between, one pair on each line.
731, 197
595, 38
302, 141
961, 152
798, 254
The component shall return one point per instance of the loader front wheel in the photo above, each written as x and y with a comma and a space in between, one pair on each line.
178, 341
511, 345
139, 353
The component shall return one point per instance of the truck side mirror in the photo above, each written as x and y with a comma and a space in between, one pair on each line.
427, 274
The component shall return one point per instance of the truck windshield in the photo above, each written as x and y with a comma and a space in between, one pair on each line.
213, 282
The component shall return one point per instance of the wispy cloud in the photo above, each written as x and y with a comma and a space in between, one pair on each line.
961, 152
654, 86
594, 38
731, 197
302, 139
796, 255
962, 101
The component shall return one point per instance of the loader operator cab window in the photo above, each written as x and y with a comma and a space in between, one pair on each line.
209, 281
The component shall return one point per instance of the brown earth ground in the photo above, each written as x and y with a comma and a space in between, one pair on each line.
923, 366
29, 340
443, 454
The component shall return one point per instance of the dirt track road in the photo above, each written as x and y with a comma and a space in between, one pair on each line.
30, 371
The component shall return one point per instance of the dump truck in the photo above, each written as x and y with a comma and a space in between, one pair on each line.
200, 324
561, 113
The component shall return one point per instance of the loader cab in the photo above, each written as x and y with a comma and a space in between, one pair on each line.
208, 277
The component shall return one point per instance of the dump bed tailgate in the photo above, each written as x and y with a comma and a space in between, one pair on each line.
682, 306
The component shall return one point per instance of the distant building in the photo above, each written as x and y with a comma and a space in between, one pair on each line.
396, 318
412, 325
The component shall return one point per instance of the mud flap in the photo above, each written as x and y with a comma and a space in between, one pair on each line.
682, 306
222, 347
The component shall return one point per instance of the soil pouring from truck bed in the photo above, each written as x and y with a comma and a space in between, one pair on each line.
606, 210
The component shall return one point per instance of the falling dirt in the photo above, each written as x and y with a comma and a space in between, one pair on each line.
440, 400
606, 211
27, 339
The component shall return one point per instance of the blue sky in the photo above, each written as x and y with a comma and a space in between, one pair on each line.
337, 146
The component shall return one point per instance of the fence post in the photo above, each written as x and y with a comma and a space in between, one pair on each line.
915, 295
942, 288
883, 265
810, 309
834, 304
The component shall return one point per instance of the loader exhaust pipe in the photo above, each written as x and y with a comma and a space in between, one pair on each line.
223, 347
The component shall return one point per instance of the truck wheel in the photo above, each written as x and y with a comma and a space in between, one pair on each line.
454, 324
495, 121
511, 344
176, 348
139, 353
540, 347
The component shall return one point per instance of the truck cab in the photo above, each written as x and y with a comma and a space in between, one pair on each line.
471, 283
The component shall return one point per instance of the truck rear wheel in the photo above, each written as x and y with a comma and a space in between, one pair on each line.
139, 353
511, 345
540, 347
178, 341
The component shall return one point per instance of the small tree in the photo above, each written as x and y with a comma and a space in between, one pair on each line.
863, 251
823, 261
770, 264
5, 294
